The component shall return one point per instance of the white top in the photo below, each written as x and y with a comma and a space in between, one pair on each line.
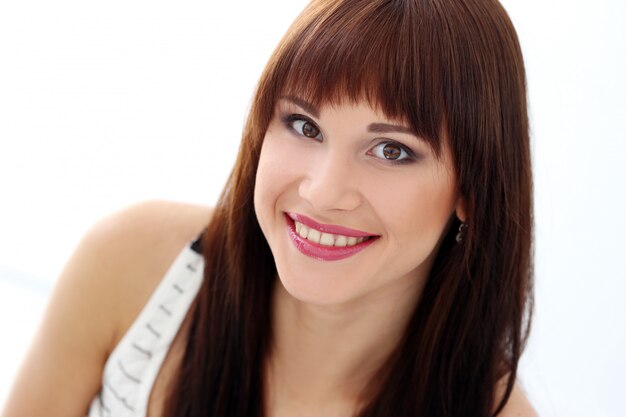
132, 367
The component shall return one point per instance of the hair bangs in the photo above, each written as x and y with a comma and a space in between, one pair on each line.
363, 50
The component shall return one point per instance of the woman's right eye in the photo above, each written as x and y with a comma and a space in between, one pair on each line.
303, 126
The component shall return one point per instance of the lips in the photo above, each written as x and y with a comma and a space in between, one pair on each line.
327, 228
325, 242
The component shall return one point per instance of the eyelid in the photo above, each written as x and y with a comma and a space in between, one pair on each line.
289, 118
412, 156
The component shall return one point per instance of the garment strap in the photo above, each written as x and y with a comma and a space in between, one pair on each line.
196, 246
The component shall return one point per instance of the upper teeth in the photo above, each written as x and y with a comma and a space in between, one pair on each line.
326, 239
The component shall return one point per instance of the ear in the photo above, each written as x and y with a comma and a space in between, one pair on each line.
461, 209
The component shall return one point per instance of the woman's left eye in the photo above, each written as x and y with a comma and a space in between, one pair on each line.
393, 152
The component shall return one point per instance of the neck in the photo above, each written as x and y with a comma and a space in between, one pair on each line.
326, 355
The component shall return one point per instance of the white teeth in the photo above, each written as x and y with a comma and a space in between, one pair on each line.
325, 239
314, 236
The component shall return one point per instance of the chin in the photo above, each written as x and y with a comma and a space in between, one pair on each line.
317, 289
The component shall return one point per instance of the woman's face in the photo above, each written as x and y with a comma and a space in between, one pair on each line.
352, 204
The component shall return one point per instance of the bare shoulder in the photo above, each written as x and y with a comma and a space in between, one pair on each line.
518, 404
102, 288
138, 244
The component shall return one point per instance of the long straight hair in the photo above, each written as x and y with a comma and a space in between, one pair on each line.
452, 66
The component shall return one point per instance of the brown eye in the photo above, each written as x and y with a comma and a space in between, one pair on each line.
303, 126
392, 151
310, 130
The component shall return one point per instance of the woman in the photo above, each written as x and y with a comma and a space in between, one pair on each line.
370, 254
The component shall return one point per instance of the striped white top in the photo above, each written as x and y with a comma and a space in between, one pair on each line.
132, 367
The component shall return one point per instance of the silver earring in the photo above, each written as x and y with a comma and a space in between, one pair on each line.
461, 234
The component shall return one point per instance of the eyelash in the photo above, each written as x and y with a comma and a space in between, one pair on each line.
291, 118
410, 156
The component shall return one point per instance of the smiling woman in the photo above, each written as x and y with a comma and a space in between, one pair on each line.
370, 254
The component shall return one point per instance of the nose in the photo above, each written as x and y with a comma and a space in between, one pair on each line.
331, 184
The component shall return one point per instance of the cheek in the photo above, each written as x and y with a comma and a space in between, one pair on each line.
263, 186
417, 209
274, 173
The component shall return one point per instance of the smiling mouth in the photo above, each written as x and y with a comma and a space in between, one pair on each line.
327, 239
325, 242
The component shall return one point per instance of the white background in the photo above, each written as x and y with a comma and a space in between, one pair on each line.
105, 104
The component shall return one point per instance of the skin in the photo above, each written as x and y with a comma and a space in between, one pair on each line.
332, 327
99, 294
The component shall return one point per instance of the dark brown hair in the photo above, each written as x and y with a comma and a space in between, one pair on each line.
440, 65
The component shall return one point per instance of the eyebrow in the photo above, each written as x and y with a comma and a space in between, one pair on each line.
372, 127
386, 128
310, 108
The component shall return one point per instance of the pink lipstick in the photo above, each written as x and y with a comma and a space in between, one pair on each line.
323, 252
